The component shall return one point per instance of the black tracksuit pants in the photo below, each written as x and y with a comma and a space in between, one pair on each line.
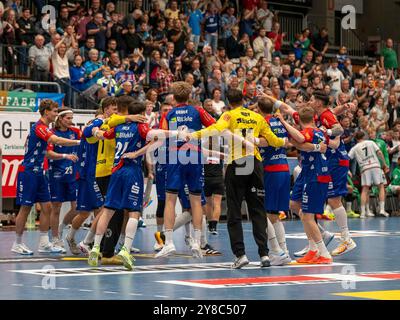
251, 188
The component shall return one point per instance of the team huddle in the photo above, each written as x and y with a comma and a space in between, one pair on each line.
101, 169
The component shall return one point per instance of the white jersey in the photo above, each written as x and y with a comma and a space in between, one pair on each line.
365, 153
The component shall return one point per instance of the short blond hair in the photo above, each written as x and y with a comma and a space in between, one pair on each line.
181, 91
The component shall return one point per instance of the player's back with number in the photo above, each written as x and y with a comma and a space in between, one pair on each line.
365, 153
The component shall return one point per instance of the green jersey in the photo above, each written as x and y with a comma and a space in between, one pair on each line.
383, 147
396, 177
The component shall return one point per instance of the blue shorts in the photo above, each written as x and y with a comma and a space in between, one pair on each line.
62, 191
190, 174
32, 188
125, 191
297, 191
277, 191
89, 196
161, 180
184, 198
314, 197
338, 186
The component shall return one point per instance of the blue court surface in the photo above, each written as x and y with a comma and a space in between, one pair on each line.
371, 271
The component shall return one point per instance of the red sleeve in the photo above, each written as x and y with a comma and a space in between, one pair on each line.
78, 132
109, 134
205, 117
308, 134
327, 139
43, 132
328, 119
164, 122
296, 118
143, 129
50, 147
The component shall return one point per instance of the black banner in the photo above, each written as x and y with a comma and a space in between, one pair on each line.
297, 3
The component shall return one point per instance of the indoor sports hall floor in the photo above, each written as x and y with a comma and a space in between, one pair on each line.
372, 271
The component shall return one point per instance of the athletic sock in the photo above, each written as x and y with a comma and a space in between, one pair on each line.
363, 209
197, 235
348, 206
381, 207
323, 252
130, 232
97, 239
43, 238
311, 245
18, 238
321, 228
280, 235
61, 228
182, 219
341, 220
89, 237
273, 244
160, 227
328, 208
187, 230
168, 236
121, 239
203, 238
71, 233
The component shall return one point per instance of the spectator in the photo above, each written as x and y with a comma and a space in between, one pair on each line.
164, 78
98, 29
195, 19
107, 82
265, 17
39, 57
388, 59
216, 81
228, 21
172, 12
335, 77
77, 74
178, 37
320, 42
235, 46
277, 38
263, 46
211, 26
217, 103
93, 68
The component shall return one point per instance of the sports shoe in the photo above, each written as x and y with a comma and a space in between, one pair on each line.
94, 256
370, 214
141, 223
196, 250
329, 216
113, 261
21, 249
344, 247
85, 248
321, 260
240, 262
302, 252
282, 215
60, 244
352, 215
308, 257
73, 247
134, 250
49, 248
208, 250
160, 237
126, 257
384, 214
363, 216
157, 247
328, 238
265, 262
213, 231
279, 259
167, 250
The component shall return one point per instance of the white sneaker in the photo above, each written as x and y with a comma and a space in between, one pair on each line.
363, 216
189, 241
240, 262
167, 250
21, 249
72, 246
279, 259
385, 214
196, 250
135, 250
49, 248
60, 244
302, 252
344, 247
85, 248
370, 214
265, 262
157, 247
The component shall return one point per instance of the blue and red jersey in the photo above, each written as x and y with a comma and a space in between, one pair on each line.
35, 147
64, 169
315, 164
339, 156
275, 159
192, 117
129, 137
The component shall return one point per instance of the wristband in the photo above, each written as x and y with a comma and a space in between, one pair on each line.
277, 104
329, 132
64, 155
317, 147
78, 142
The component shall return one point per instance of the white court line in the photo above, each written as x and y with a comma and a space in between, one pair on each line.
110, 292
158, 296
17, 284
85, 290
60, 288
225, 266
135, 294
